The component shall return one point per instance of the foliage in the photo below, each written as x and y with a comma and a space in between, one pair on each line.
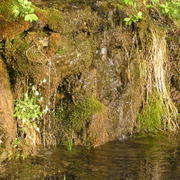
27, 109
129, 2
168, 7
17, 150
133, 18
171, 8
150, 119
69, 141
23, 8
60, 52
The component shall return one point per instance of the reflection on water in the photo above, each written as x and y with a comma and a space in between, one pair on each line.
138, 158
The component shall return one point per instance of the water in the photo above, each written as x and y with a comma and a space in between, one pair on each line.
135, 159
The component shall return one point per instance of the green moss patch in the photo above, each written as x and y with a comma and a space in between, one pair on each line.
75, 116
151, 116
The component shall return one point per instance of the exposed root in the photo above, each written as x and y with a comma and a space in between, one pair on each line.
157, 79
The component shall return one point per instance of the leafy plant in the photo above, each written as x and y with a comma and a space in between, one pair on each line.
28, 110
60, 52
23, 8
133, 18
17, 150
69, 141
171, 8
15, 143
129, 2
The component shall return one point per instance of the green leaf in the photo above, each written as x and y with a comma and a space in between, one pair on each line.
16, 11
139, 14
30, 17
127, 19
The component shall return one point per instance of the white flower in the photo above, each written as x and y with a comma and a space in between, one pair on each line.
46, 109
37, 129
23, 120
33, 88
44, 80
36, 93
1, 141
41, 99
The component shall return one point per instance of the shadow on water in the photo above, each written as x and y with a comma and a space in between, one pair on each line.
138, 158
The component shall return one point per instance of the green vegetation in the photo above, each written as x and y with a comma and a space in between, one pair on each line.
129, 2
75, 117
168, 7
17, 150
171, 8
134, 8
28, 111
133, 18
150, 119
23, 8
60, 52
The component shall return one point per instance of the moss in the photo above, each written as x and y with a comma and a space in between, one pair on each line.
151, 116
83, 112
16, 51
50, 17
9, 26
5, 9
76, 116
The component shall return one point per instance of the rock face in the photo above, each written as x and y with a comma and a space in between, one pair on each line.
7, 121
87, 65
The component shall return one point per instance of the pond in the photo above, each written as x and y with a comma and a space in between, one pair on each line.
136, 158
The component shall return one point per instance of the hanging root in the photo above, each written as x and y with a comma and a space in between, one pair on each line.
157, 80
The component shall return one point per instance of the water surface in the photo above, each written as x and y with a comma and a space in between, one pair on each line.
137, 158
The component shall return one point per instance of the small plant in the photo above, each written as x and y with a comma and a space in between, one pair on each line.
60, 52
17, 150
129, 2
171, 8
15, 143
28, 110
133, 18
69, 141
23, 8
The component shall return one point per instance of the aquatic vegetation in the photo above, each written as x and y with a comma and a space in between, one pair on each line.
23, 8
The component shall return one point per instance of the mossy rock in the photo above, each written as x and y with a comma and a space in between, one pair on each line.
16, 54
50, 18
76, 116
150, 119
9, 26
